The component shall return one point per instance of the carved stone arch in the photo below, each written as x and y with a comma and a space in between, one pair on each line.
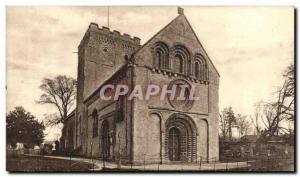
184, 117
155, 113
197, 68
203, 69
181, 52
187, 138
160, 54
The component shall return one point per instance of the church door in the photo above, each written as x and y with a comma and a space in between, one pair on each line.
105, 140
174, 144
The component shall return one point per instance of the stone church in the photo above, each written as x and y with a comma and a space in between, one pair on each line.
153, 131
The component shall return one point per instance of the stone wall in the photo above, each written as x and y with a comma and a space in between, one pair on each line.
68, 134
120, 131
203, 112
150, 117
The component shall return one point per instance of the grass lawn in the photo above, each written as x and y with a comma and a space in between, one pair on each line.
41, 164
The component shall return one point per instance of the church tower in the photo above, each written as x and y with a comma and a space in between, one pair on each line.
101, 53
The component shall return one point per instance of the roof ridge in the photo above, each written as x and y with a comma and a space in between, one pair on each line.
122, 67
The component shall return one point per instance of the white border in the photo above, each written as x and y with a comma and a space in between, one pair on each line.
5, 3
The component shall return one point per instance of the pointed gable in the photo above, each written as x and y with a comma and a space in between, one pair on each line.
178, 31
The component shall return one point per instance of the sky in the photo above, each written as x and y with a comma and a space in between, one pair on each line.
250, 47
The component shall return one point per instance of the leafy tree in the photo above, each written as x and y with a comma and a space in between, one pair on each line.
21, 126
60, 92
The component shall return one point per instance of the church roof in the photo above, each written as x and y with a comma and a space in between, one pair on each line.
111, 78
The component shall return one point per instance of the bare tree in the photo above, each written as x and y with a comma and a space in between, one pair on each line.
223, 125
272, 120
283, 108
288, 93
59, 92
243, 124
258, 115
226, 119
269, 116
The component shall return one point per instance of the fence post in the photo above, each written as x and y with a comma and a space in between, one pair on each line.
144, 163
93, 163
119, 162
227, 165
103, 159
92, 154
215, 163
70, 162
247, 164
200, 163
37, 160
119, 152
237, 163
255, 164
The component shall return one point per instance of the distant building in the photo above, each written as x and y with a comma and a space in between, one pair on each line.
236, 132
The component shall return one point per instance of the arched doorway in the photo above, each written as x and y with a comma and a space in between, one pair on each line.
181, 138
174, 144
105, 140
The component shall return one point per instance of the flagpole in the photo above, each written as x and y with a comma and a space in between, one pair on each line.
108, 16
